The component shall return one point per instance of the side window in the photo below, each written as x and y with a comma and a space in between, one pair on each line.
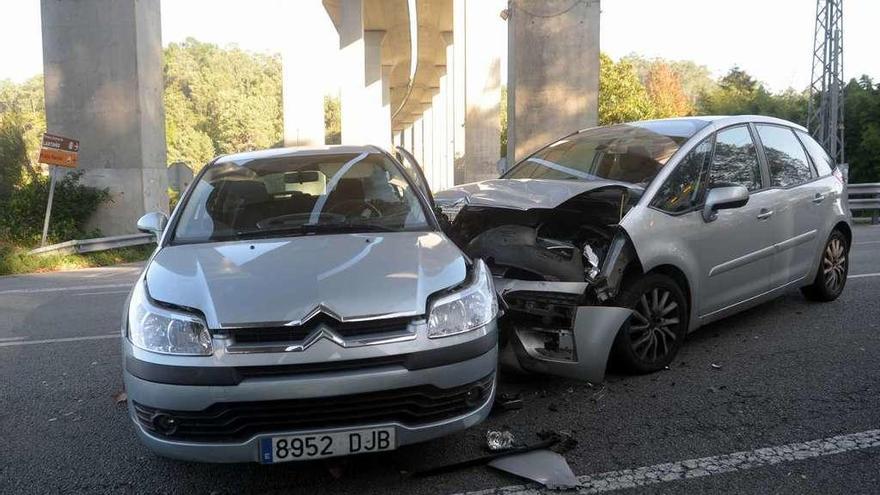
824, 163
785, 156
683, 188
735, 162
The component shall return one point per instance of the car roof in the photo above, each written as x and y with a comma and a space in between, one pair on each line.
723, 120
298, 151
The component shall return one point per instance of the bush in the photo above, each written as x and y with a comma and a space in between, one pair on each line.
21, 217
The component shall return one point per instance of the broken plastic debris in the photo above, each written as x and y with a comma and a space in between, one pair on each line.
716, 366
120, 397
508, 402
500, 440
544, 466
592, 260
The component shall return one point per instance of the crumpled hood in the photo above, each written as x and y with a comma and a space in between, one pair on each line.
283, 280
521, 194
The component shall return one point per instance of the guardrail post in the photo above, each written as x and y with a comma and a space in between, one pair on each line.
875, 215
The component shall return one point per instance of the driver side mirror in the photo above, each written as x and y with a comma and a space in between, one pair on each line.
724, 198
153, 223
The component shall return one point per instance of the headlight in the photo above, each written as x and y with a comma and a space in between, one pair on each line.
161, 330
466, 309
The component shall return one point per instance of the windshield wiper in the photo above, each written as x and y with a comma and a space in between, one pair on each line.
320, 228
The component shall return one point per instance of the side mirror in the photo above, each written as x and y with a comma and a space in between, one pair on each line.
723, 198
153, 223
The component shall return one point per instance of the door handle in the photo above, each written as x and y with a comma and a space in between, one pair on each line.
765, 214
818, 198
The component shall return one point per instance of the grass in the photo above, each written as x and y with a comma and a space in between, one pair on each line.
16, 260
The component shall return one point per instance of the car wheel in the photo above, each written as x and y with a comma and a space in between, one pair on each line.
650, 339
833, 269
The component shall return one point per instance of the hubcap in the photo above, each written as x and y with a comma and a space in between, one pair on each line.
654, 321
834, 265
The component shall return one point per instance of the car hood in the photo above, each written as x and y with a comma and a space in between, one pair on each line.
279, 281
521, 194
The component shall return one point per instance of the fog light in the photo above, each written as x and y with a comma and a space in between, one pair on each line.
474, 396
164, 423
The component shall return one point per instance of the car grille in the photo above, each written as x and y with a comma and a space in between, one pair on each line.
238, 421
287, 335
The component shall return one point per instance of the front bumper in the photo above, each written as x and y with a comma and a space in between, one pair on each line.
310, 386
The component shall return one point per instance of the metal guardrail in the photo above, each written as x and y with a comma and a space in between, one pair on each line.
865, 197
98, 244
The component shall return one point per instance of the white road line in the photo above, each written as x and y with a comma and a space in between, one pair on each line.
66, 339
10, 339
709, 466
865, 242
99, 293
864, 275
38, 290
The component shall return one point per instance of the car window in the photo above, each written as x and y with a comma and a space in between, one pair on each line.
632, 153
683, 188
735, 162
824, 164
785, 156
300, 195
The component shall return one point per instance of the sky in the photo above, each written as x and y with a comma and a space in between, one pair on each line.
770, 39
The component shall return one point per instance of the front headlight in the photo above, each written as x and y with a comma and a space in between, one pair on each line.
466, 309
161, 330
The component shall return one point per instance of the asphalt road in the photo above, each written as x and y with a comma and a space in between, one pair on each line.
788, 373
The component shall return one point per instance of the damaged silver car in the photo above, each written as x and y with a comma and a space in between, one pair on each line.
618, 241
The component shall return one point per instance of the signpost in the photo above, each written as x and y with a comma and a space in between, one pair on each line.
56, 151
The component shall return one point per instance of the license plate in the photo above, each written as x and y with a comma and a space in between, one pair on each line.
318, 445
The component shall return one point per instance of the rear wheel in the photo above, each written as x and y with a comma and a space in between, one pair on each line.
654, 333
833, 269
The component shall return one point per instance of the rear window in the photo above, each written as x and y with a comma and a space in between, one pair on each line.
824, 164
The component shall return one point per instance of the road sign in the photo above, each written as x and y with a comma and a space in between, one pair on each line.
60, 151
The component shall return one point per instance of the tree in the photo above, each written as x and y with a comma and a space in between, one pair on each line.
666, 92
332, 120
695, 79
622, 96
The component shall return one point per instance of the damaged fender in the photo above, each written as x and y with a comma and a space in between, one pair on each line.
593, 333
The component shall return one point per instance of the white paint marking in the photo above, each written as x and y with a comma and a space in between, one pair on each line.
864, 275
866, 242
38, 290
66, 339
709, 466
99, 293
10, 339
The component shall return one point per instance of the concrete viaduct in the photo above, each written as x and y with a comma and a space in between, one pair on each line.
422, 74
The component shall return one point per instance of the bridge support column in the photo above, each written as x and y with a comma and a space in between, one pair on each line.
102, 63
304, 86
553, 71
352, 60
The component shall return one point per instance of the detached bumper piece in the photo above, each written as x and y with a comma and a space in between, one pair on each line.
238, 421
549, 333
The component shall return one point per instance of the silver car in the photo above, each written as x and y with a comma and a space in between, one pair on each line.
620, 240
304, 304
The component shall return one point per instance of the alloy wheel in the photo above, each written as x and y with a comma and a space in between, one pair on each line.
834, 265
654, 324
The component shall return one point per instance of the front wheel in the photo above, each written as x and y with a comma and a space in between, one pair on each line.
654, 333
833, 269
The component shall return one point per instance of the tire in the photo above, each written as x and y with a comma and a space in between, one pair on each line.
833, 269
644, 344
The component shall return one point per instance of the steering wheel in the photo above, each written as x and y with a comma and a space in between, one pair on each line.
355, 207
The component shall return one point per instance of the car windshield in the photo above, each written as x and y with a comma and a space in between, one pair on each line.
300, 195
632, 153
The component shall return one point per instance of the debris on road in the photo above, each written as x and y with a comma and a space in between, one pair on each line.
507, 402
500, 440
120, 397
543, 466
716, 366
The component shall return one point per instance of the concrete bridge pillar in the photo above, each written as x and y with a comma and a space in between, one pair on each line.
304, 85
553, 71
102, 62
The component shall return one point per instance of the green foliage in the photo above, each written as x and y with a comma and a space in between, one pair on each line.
622, 96
738, 93
25, 102
21, 215
13, 154
219, 100
695, 79
332, 120
14, 260
502, 115
862, 131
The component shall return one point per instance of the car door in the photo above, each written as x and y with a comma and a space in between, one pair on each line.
412, 167
797, 203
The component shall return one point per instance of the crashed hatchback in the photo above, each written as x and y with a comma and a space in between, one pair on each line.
620, 240
304, 303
